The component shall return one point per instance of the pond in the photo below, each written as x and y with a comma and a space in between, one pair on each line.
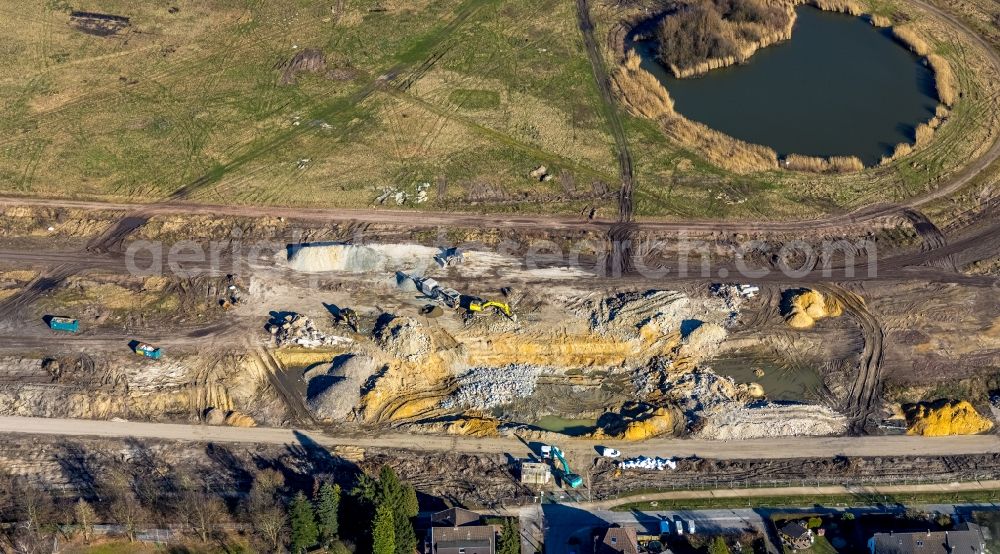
838, 87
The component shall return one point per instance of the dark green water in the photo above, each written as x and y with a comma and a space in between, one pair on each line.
838, 87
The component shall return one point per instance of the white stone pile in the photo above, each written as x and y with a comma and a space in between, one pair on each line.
642, 462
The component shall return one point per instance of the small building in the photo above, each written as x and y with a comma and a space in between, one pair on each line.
459, 531
535, 474
616, 540
796, 535
967, 538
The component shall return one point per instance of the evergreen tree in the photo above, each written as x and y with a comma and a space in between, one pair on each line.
718, 546
510, 540
327, 512
303, 523
383, 530
402, 500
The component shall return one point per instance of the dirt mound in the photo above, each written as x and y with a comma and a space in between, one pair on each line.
309, 60
807, 306
334, 393
488, 387
352, 258
945, 418
403, 338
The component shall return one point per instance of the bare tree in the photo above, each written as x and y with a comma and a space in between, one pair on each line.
203, 512
84, 516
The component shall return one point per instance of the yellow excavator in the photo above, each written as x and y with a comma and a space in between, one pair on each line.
478, 305
347, 316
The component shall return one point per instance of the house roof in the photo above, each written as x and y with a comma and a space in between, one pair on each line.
794, 530
966, 539
614, 540
454, 517
471, 539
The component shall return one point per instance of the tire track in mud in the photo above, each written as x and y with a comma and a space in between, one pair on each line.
865, 394
620, 235
297, 410
931, 237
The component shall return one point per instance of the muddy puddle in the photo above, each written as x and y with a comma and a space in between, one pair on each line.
566, 426
781, 382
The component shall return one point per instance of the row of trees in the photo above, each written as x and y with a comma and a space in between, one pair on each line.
376, 516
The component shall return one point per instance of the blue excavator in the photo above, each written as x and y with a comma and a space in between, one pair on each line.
570, 478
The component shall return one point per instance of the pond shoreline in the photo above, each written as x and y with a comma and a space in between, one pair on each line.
645, 95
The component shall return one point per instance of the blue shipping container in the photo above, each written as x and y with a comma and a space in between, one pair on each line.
64, 324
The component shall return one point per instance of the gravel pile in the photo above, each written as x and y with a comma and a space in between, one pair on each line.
489, 387
333, 393
296, 329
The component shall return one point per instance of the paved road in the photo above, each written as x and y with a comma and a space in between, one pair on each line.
772, 448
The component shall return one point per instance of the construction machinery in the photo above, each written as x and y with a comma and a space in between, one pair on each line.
570, 478
479, 305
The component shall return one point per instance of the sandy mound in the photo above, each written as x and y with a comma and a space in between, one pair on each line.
352, 258
945, 418
704, 340
334, 393
808, 306
403, 338
658, 423
239, 419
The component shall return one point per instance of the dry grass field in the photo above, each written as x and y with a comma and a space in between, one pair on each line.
443, 105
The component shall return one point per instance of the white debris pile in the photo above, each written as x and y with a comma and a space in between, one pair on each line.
623, 314
734, 296
404, 338
354, 258
489, 387
738, 422
642, 462
296, 329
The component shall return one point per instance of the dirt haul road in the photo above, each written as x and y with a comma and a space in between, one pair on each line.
776, 448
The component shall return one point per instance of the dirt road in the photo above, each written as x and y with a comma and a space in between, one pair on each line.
776, 448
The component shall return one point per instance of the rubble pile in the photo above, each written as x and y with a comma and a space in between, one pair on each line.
642, 462
299, 330
489, 387
404, 338
624, 314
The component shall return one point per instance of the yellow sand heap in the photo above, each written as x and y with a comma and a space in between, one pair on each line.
239, 419
809, 306
658, 423
946, 418
471, 426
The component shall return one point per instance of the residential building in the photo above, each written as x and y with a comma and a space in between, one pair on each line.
964, 539
616, 540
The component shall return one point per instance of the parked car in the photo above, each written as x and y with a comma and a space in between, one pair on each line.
610, 452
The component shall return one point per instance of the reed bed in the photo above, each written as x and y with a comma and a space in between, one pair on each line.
816, 164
